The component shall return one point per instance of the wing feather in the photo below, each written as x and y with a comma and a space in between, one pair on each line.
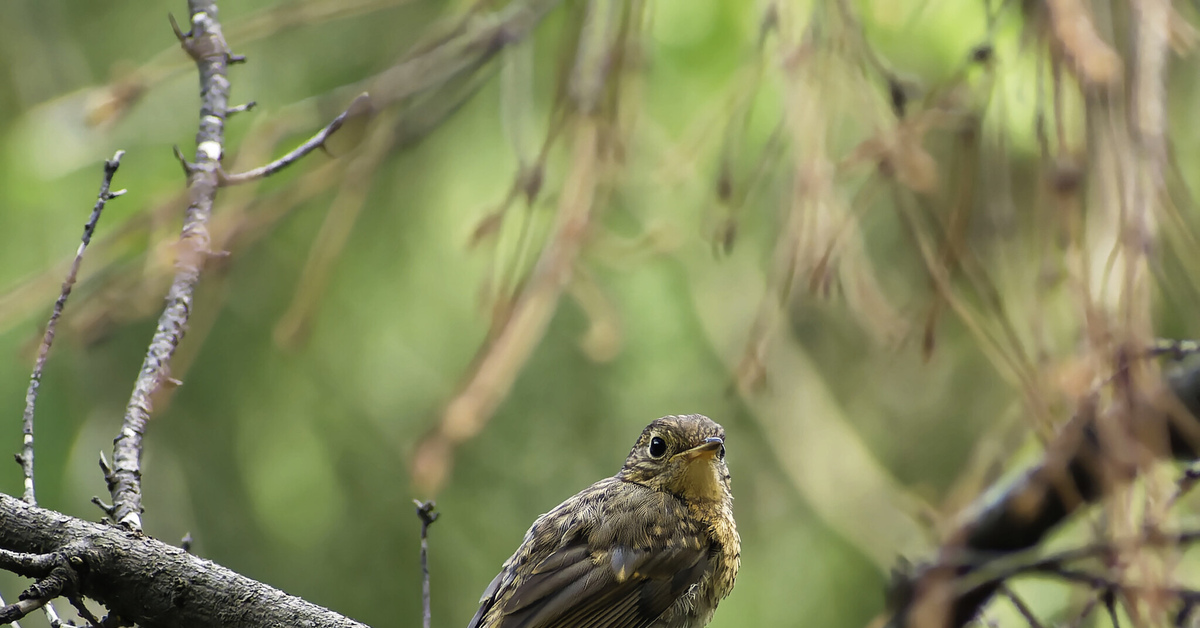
581, 573
588, 592
487, 600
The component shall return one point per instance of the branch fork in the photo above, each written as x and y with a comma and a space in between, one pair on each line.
58, 574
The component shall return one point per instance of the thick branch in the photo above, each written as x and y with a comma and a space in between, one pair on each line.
154, 584
1072, 475
207, 47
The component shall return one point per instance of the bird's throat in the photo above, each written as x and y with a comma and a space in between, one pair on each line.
700, 482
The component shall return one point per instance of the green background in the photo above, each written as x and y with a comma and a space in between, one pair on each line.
289, 462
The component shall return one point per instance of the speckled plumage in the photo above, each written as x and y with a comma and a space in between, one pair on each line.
653, 547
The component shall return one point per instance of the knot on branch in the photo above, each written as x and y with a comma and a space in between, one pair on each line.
63, 580
204, 40
59, 574
425, 513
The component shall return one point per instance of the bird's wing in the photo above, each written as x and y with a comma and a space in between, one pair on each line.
576, 587
580, 573
488, 599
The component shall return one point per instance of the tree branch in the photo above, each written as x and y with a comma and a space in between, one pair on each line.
153, 584
478, 39
27, 565
361, 105
512, 340
19, 609
206, 45
427, 516
1073, 474
35, 379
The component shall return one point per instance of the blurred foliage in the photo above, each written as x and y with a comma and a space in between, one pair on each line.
848, 231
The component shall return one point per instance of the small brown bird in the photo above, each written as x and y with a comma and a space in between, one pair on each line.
655, 546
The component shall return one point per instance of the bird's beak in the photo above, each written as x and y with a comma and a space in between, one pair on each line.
704, 451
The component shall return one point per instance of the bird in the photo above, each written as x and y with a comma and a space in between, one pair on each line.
654, 546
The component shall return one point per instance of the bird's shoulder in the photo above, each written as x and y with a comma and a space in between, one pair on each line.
610, 513
613, 511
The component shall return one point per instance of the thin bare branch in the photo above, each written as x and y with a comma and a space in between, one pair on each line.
28, 565
473, 44
498, 365
14, 623
59, 575
85, 613
205, 43
1066, 480
20, 609
241, 108
427, 516
53, 618
1174, 349
1022, 607
1083, 613
1093, 59
996, 570
35, 380
592, 77
360, 106
294, 325
1110, 601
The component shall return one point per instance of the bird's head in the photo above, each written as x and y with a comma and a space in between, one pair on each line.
683, 455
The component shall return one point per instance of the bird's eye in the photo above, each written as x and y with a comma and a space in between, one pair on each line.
721, 453
658, 447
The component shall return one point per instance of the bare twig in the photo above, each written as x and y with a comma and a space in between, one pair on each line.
107, 470
58, 575
14, 623
28, 565
1109, 589
335, 231
35, 380
988, 567
241, 108
513, 339
1083, 613
1110, 602
475, 42
31, 566
1175, 349
428, 516
205, 43
497, 366
360, 106
1066, 480
21, 608
53, 618
85, 613
1022, 608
